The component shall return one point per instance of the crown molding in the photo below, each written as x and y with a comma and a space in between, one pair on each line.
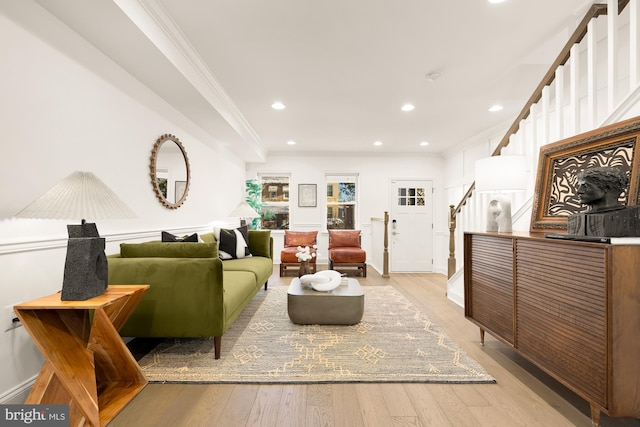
156, 24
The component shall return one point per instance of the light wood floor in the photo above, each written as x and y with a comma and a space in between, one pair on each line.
522, 396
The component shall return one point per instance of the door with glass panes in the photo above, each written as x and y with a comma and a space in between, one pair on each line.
411, 226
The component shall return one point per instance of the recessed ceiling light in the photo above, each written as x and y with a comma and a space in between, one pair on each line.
377, 143
424, 143
278, 106
496, 1
495, 108
291, 142
408, 107
433, 76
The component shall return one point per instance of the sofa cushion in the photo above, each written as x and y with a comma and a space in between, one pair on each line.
300, 238
261, 267
168, 250
344, 238
232, 243
168, 237
347, 255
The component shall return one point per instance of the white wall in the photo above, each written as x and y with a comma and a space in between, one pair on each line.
59, 116
375, 172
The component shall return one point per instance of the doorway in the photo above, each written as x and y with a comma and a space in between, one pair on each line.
411, 226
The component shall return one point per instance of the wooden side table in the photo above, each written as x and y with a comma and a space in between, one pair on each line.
87, 364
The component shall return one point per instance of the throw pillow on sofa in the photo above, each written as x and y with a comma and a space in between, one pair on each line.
168, 237
232, 243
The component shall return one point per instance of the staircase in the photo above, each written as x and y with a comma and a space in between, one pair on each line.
593, 82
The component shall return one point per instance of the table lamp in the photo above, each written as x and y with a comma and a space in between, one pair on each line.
243, 211
81, 195
498, 175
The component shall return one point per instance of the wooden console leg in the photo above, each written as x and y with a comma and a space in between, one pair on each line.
481, 336
595, 416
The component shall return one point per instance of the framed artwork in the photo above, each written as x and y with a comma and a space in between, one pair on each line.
554, 198
181, 187
307, 195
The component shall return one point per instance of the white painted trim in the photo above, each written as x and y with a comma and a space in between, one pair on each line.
18, 394
629, 102
154, 21
455, 292
523, 210
41, 244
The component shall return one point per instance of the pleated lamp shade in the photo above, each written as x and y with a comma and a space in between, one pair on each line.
243, 210
80, 195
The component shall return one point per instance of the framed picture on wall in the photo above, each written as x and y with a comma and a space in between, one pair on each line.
307, 195
559, 163
181, 186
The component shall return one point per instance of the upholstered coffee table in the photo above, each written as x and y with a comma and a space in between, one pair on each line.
342, 306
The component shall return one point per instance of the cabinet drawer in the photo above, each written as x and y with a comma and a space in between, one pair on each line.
489, 285
561, 312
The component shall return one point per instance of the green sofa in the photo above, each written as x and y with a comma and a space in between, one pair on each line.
193, 292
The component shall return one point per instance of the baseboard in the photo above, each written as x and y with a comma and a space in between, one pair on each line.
17, 395
455, 288
455, 296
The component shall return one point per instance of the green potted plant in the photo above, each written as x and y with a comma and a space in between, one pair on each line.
253, 190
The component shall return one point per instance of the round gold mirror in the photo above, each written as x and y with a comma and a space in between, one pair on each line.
170, 171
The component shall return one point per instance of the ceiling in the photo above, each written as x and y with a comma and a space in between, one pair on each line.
343, 68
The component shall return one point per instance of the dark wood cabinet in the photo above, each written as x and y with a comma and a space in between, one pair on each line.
572, 308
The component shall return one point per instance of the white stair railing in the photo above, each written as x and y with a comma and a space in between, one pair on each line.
593, 82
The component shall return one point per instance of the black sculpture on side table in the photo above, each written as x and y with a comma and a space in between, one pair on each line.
599, 188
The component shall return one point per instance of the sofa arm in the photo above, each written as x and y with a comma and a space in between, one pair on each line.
185, 298
260, 243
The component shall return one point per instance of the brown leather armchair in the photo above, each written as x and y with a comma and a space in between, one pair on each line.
293, 239
345, 251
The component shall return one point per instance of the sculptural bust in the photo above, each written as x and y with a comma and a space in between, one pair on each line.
599, 188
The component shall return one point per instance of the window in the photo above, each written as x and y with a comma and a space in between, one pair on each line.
275, 202
341, 201
329, 190
411, 196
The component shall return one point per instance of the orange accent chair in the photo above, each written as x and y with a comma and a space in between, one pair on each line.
293, 239
345, 251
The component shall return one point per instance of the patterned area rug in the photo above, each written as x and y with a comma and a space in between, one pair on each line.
394, 342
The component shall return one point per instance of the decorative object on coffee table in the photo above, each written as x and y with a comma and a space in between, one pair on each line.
78, 196
322, 281
292, 241
304, 269
305, 255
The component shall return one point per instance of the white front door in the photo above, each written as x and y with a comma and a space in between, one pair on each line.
411, 226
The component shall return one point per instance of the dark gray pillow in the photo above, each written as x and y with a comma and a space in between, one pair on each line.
168, 237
